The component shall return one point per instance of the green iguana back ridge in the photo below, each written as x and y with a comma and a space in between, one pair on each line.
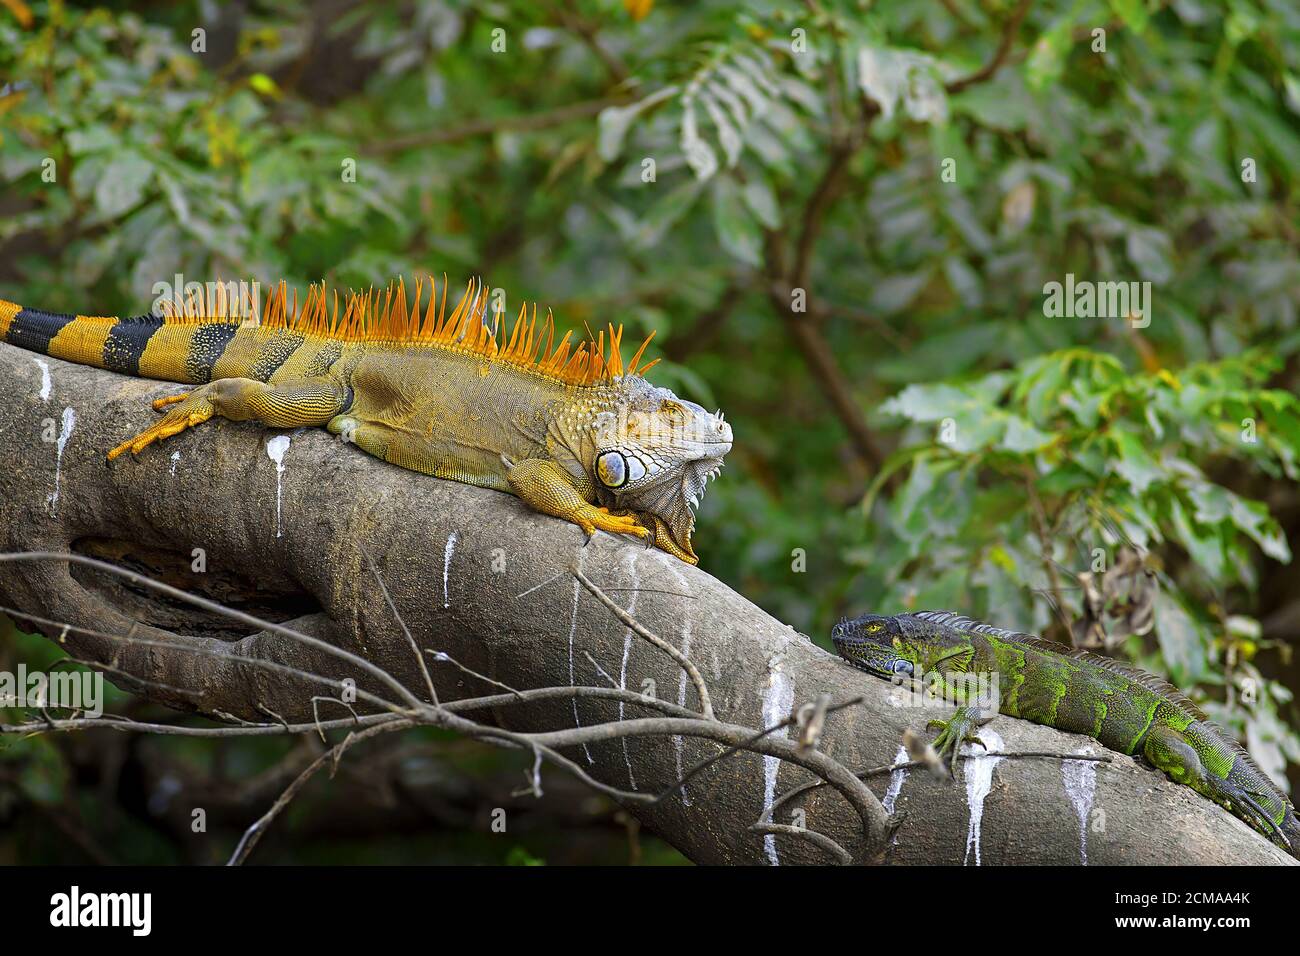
1123, 707
572, 431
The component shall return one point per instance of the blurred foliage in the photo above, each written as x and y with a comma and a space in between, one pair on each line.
640, 161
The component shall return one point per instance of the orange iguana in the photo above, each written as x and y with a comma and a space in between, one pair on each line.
573, 432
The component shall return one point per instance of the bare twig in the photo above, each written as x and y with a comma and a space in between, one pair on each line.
406, 631
254, 833
586, 31
999, 57
1038, 515
820, 839
684, 662
444, 657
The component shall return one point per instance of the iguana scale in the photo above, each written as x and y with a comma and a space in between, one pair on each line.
572, 431
1123, 707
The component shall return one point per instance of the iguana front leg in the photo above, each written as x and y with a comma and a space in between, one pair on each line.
957, 730
546, 487
284, 405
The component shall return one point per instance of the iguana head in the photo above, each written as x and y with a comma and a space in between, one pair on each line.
653, 453
875, 644
889, 646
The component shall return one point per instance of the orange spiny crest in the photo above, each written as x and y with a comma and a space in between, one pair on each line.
387, 316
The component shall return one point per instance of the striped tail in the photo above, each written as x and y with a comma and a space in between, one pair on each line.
145, 346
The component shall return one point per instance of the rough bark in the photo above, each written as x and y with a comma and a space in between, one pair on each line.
478, 575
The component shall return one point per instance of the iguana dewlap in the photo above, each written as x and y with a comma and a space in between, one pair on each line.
572, 431
1117, 704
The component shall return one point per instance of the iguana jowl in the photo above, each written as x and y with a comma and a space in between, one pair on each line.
572, 431
1123, 707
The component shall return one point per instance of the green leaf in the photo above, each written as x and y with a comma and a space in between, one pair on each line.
1132, 12
926, 403
699, 154
263, 84
761, 200
1151, 250
1023, 437
614, 122
1182, 641
1047, 58
737, 230
902, 77
1041, 387
1135, 465
92, 139
1206, 549
666, 212
122, 184
1069, 477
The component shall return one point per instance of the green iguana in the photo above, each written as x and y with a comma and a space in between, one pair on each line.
573, 432
1123, 707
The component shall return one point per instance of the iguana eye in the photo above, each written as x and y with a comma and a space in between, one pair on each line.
872, 628
611, 469
902, 667
673, 412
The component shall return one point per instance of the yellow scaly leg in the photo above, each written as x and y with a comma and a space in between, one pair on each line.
546, 487
284, 405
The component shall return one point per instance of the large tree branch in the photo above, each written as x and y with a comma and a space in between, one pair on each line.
478, 576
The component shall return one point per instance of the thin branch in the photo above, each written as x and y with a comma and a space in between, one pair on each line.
830, 377
444, 657
820, 839
254, 833
1038, 515
131, 639
563, 691
572, 20
808, 339
397, 615
820, 308
684, 662
999, 57
863, 801
710, 761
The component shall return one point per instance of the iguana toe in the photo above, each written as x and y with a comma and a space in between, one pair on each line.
160, 403
605, 520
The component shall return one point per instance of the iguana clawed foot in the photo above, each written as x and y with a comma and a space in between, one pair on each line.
612, 521
952, 734
192, 410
